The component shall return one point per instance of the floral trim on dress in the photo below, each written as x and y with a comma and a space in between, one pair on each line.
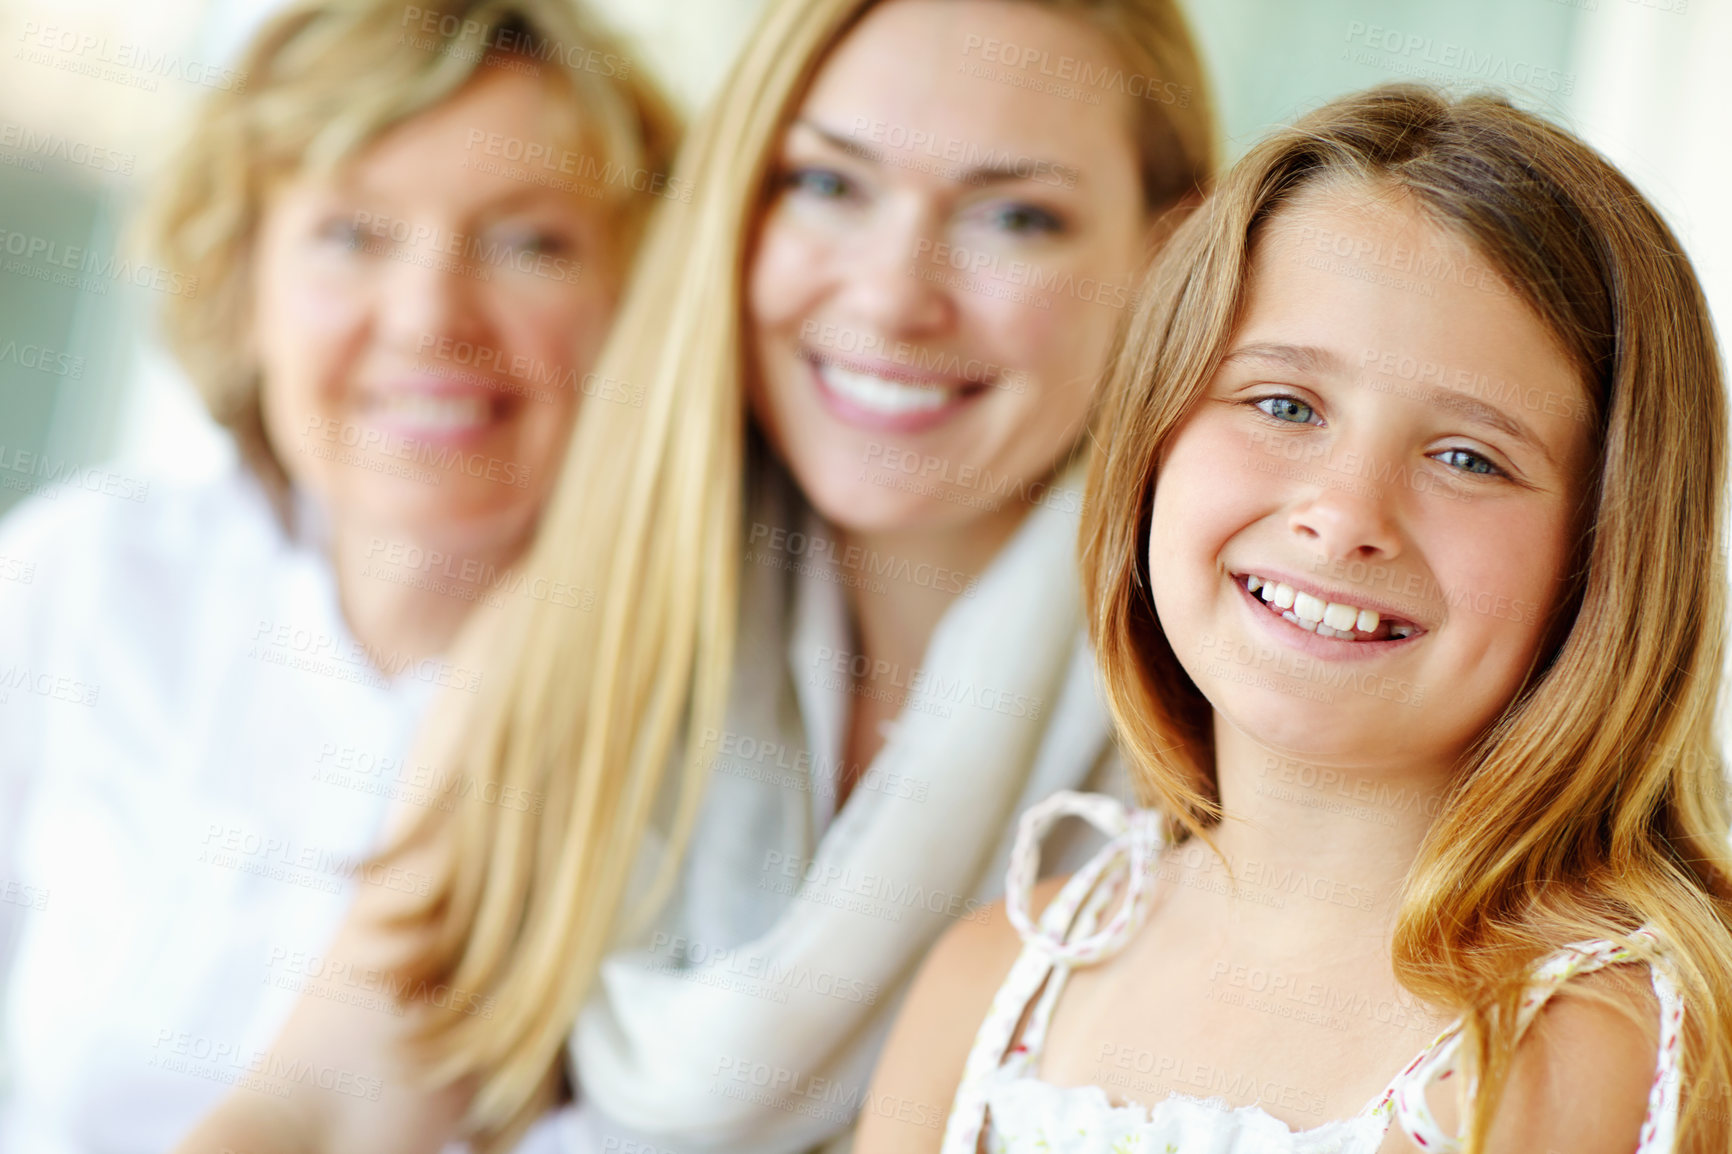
1002, 1107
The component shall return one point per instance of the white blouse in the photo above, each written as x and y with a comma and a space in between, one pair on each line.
195, 755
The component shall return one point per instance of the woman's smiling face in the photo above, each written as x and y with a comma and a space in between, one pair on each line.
422, 321
936, 280
1373, 505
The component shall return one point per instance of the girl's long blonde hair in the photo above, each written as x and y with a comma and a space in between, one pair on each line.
1597, 802
584, 709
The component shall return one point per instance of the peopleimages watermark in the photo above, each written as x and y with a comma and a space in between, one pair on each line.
873, 894
119, 61
851, 564
1119, 1065
16, 893
31, 472
960, 158
1460, 389
1313, 675
921, 690
465, 35
829, 1099
902, 354
1413, 54
20, 678
349, 659
1303, 998
524, 375
975, 265
253, 1068
465, 578
1394, 264
1349, 470
978, 486
75, 266
367, 987
745, 971
1072, 77
544, 165
466, 247
37, 145
42, 359
417, 783
235, 847
777, 763
428, 461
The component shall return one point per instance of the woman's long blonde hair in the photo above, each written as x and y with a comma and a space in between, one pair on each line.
1597, 802
584, 710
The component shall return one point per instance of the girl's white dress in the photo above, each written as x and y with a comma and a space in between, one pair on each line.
1001, 1098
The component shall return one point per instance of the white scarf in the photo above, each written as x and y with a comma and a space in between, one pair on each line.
752, 1018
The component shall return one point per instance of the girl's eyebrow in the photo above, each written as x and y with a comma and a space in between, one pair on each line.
1325, 362
1020, 168
1303, 358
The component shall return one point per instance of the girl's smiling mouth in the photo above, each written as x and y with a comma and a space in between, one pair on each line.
1325, 615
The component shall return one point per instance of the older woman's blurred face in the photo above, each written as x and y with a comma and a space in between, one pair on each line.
424, 322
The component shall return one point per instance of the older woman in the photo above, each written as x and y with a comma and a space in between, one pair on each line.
408, 231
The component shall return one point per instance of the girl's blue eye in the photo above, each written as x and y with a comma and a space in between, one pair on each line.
1287, 409
1468, 461
1025, 220
822, 183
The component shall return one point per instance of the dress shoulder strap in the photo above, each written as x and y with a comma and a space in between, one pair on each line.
1407, 1093
1070, 932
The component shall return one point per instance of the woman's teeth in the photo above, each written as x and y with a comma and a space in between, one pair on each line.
1327, 618
882, 395
434, 413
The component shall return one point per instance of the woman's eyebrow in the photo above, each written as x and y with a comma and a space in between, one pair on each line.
1011, 168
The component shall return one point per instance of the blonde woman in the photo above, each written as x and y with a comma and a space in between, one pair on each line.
835, 593
397, 324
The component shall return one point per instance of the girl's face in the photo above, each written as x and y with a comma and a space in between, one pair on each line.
1358, 534
942, 261
423, 322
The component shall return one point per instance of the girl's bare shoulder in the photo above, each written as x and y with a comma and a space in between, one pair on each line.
923, 1061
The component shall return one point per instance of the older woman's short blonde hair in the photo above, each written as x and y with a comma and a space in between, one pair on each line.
320, 82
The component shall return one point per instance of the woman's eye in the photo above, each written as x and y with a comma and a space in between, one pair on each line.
1468, 461
536, 241
1024, 220
341, 231
1287, 409
822, 183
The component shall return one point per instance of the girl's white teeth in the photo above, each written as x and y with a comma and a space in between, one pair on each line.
1325, 618
436, 413
882, 395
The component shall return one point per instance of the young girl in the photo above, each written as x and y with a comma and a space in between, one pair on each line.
1403, 556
